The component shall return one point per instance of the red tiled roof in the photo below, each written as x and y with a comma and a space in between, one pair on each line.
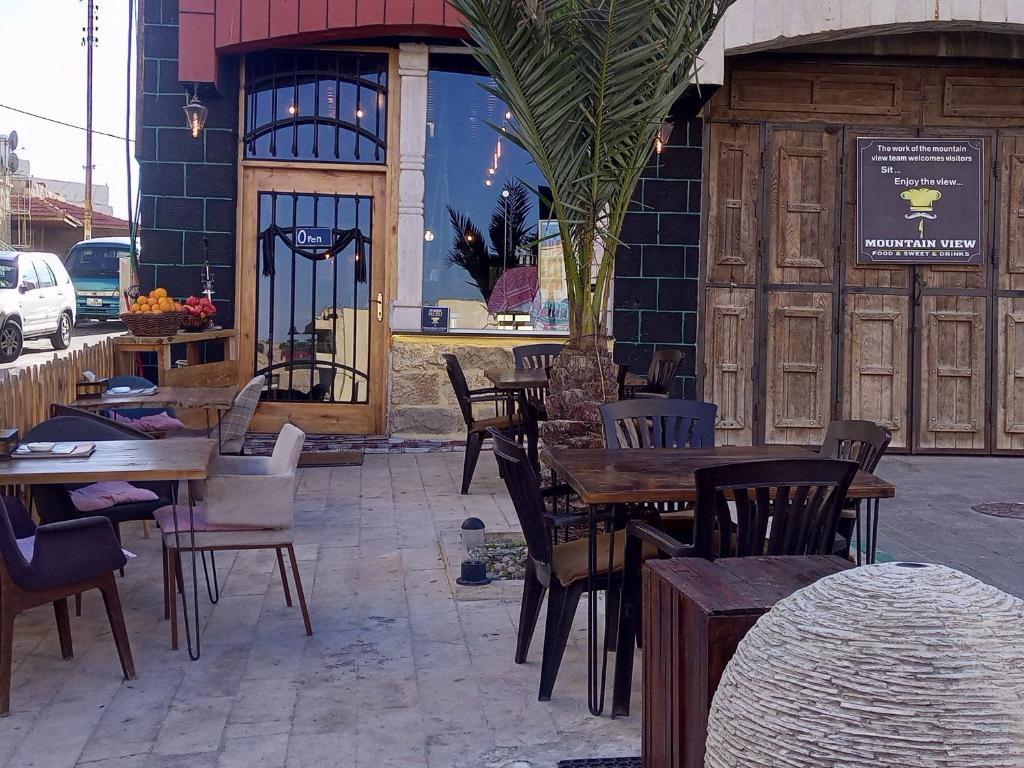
52, 209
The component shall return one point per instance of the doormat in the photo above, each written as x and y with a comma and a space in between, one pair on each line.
1014, 510
601, 762
331, 459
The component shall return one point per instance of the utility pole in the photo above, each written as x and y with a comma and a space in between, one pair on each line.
89, 41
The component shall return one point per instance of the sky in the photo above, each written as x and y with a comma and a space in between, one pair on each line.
44, 73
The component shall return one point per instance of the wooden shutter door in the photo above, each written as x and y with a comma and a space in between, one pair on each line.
802, 205
734, 183
1009, 324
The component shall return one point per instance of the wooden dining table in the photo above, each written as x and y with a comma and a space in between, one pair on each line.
603, 477
217, 398
131, 461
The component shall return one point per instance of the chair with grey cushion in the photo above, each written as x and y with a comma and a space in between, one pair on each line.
52, 563
249, 504
231, 430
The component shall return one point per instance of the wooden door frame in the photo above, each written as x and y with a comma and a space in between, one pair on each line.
339, 418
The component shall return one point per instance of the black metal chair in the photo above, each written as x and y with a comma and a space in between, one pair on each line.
67, 558
864, 442
781, 507
659, 423
560, 570
476, 428
660, 374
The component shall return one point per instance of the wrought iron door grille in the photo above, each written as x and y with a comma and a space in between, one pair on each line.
325, 106
313, 319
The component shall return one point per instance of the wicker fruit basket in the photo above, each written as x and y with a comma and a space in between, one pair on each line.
194, 323
152, 324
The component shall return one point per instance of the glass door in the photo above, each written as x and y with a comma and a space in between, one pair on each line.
314, 327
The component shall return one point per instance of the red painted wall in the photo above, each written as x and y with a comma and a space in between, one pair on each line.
210, 27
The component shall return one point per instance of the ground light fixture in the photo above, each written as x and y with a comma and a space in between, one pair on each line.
195, 114
474, 570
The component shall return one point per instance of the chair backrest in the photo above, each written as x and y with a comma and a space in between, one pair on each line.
536, 355
135, 382
663, 369
782, 507
856, 440
287, 449
659, 423
91, 428
524, 487
235, 423
56, 409
460, 385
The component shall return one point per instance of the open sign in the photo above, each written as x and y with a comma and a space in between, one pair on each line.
314, 237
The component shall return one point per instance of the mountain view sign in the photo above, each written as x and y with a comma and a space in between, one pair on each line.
919, 200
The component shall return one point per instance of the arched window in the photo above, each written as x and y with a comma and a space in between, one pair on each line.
326, 106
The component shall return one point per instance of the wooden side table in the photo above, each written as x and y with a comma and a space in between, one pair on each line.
210, 374
695, 614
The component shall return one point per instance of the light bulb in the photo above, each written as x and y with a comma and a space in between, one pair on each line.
487, 182
292, 109
508, 115
359, 112
490, 171
469, 238
505, 193
195, 127
428, 236
658, 146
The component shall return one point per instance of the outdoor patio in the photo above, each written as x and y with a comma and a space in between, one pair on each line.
397, 673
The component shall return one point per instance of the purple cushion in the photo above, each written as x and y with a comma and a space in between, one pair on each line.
157, 422
99, 496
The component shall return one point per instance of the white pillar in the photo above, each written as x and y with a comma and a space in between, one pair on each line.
412, 69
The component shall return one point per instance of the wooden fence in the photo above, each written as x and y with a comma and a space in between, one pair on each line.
26, 394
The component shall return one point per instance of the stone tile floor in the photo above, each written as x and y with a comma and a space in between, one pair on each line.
397, 673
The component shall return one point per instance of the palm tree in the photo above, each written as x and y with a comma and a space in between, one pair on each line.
589, 83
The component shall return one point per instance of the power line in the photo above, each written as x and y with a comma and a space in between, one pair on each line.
61, 122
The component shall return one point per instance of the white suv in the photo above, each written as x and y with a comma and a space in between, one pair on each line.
37, 300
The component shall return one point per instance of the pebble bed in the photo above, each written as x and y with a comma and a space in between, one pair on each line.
505, 558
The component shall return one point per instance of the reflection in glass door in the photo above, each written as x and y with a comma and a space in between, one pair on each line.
313, 300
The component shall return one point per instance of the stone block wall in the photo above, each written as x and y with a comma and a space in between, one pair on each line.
188, 185
656, 265
422, 400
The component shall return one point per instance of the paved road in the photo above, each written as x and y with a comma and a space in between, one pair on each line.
40, 350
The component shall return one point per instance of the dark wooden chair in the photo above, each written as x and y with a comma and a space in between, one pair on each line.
864, 442
560, 570
659, 423
658, 382
540, 356
782, 507
67, 558
476, 428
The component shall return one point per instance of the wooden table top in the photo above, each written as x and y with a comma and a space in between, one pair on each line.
131, 460
741, 585
517, 378
178, 338
171, 397
602, 476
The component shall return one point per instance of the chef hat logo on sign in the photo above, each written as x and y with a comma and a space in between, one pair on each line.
922, 201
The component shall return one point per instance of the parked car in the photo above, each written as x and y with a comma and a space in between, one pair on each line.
101, 270
37, 299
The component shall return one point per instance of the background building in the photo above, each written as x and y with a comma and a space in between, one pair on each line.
358, 115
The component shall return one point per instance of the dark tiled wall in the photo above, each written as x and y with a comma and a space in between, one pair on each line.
656, 265
188, 185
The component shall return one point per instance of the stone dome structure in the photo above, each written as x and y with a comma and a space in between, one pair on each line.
899, 665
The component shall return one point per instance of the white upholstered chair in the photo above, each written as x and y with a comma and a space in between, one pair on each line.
249, 504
